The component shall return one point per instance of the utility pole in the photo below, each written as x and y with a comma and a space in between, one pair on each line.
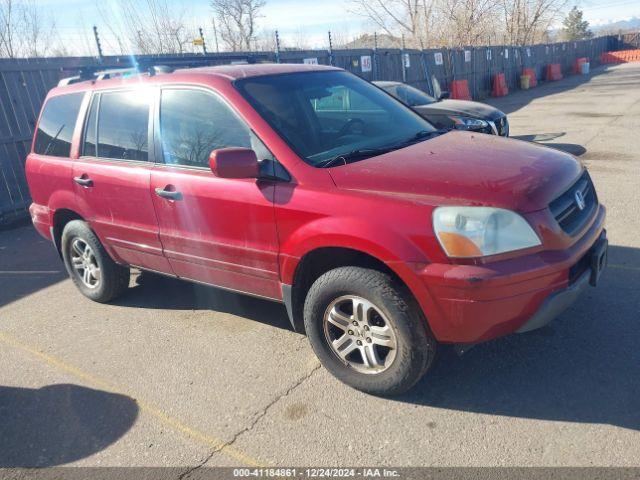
204, 45
277, 47
95, 35
404, 69
215, 34
375, 55
330, 49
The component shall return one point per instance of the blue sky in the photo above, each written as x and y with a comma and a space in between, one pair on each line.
293, 18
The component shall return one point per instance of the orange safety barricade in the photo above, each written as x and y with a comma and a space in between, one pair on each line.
531, 73
554, 72
622, 56
460, 90
500, 88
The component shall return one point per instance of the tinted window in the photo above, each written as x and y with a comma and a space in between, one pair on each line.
343, 99
325, 115
57, 122
194, 122
413, 97
89, 146
123, 120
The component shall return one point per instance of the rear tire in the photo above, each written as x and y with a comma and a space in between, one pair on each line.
89, 265
367, 331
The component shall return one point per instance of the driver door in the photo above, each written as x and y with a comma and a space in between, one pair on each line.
219, 231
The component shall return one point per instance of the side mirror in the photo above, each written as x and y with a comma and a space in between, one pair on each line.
444, 95
234, 163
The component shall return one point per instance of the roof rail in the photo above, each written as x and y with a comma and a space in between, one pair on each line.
91, 73
155, 69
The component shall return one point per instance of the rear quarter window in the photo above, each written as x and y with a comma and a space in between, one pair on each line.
57, 122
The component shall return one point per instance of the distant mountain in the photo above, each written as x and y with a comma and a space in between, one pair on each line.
614, 27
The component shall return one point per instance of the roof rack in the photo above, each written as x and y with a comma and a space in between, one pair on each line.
90, 73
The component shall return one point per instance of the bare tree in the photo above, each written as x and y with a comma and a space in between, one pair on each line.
7, 28
147, 26
467, 22
411, 18
265, 41
237, 21
24, 30
527, 21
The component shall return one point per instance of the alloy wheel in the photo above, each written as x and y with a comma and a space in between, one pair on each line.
84, 262
360, 334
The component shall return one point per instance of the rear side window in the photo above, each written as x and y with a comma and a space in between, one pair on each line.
123, 126
57, 122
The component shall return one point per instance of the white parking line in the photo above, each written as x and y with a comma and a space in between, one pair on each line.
29, 272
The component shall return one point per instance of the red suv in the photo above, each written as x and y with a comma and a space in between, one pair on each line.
306, 185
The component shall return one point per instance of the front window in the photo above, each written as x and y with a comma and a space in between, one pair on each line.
193, 123
332, 115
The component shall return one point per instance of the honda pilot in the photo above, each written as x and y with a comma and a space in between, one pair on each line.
384, 237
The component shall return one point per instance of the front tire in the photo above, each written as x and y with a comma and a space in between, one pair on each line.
365, 331
89, 265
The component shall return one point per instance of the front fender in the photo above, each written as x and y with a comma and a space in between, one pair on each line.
379, 241
395, 250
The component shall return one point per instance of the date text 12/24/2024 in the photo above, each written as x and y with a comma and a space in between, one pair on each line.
316, 472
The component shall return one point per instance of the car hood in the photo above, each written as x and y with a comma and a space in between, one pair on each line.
461, 107
463, 168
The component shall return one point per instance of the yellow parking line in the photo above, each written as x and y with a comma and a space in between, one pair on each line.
625, 267
204, 438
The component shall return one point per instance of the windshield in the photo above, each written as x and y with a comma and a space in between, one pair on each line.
332, 115
412, 96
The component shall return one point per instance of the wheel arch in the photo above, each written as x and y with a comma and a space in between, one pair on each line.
61, 217
320, 260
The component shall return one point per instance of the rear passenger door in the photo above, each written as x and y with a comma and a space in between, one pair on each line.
215, 230
112, 176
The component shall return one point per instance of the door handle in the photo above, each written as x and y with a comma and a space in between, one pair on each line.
168, 194
83, 181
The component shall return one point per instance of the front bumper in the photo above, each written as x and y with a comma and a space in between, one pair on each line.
475, 303
559, 301
500, 127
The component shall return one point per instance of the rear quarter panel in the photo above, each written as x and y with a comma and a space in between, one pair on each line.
51, 187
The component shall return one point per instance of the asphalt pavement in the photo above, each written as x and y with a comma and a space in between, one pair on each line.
174, 374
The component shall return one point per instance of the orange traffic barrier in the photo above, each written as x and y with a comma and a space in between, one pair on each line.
577, 65
554, 72
500, 88
531, 73
622, 56
460, 90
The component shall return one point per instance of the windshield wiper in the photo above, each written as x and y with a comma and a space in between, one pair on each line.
362, 153
357, 154
422, 135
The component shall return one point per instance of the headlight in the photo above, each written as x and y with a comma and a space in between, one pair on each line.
468, 123
466, 232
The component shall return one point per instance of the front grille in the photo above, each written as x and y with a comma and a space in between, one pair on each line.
502, 126
565, 208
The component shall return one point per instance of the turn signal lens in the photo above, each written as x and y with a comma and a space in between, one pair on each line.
458, 246
466, 232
